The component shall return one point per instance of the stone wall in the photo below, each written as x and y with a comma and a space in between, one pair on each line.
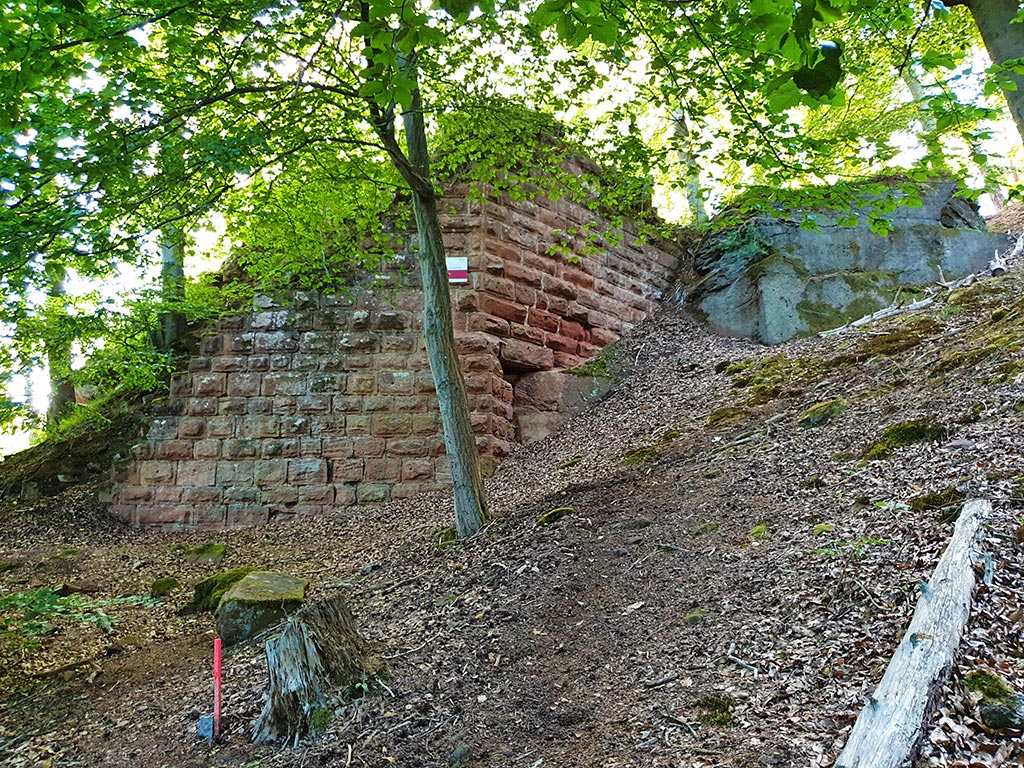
327, 401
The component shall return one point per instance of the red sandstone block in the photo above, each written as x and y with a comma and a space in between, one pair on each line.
424, 382
346, 470
199, 364
202, 495
572, 330
541, 319
285, 448
271, 472
481, 422
201, 406
410, 403
436, 445
295, 425
522, 355
191, 427
287, 383
122, 512
401, 491
304, 362
369, 447
525, 275
602, 337
487, 363
326, 424
279, 495
169, 516
133, 494
260, 426
181, 385
405, 343
246, 516
567, 360
477, 383
156, 473
310, 448
362, 383
259, 363
344, 495
275, 341
499, 286
382, 470
526, 333
240, 448
579, 278
542, 263
357, 424
226, 363
220, 426
232, 406
408, 446
394, 382
367, 493
347, 404
336, 447
475, 343
418, 469
391, 425
242, 494
477, 321
206, 449
173, 450
280, 361
587, 351
235, 472
525, 295
196, 473
316, 494
559, 306
425, 423
376, 403
501, 308
313, 404
307, 471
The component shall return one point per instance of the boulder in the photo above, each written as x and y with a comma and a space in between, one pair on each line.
256, 602
770, 279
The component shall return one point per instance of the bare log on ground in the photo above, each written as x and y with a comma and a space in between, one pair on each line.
889, 726
317, 657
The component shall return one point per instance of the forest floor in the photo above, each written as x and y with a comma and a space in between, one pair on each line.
725, 591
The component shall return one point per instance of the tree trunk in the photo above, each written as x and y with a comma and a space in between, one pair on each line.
690, 171
890, 725
172, 322
439, 336
58, 360
318, 657
1004, 42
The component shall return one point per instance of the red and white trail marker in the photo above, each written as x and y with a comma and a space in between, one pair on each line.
216, 686
458, 269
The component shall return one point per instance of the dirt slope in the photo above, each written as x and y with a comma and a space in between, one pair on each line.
725, 590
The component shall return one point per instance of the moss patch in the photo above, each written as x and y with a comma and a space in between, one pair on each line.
639, 455
554, 515
937, 500
905, 433
821, 413
163, 586
442, 537
209, 552
693, 618
716, 710
760, 532
728, 415
8, 565
1000, 705
208, 592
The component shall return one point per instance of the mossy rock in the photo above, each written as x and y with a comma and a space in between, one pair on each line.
822, 413
905, 433
727, 416
554, 515
639, 456
207, 553
716, 710
937, 500
257, 602
163, 586
208, 592
1000, 705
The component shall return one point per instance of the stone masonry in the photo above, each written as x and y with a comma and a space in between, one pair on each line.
327, 401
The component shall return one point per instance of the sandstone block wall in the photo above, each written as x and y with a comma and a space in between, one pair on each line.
326, 401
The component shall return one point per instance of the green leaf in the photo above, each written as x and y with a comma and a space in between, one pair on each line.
938, 60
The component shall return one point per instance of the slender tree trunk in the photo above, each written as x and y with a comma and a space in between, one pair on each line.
1004, 42
172, 286
58, 361
690, 171
438, 332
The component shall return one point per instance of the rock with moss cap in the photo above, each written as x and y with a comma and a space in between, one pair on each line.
1000, 706
257, 602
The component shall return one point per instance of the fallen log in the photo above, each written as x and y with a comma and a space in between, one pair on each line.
318, 657
889, 726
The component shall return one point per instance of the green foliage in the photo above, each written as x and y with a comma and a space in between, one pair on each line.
35, 612
761, 532
554, 515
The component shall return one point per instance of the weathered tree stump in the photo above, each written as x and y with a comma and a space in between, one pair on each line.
318, 657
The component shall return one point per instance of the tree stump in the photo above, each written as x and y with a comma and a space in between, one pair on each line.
318, 657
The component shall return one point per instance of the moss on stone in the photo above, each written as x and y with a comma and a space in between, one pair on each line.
905, 433
263, 586
937, 499
1000, 705
695, 617
163, 586
208, 592
444, 536
821, 413
207, 552
727, 415
639, 455
554, 515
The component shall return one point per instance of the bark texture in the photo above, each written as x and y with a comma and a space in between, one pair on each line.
317, 658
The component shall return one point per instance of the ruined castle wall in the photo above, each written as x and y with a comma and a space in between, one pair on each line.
325, 402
